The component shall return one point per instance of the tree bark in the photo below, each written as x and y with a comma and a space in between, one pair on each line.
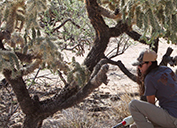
166, 57
36, 111
27, 105
30, 107
124, 69
103, 34
33, 121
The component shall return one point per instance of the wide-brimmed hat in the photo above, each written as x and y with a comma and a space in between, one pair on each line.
146, 56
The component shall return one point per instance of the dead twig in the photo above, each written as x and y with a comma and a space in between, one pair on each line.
65, 23
62, 78
118, 51
34, 78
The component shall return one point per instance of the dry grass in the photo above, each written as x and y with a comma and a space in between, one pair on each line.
81, 115
101, 109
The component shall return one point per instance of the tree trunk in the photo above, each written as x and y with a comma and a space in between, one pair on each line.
27, 105
103, 34
36, 111
33, 122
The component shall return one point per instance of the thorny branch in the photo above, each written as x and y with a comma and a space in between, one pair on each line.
79, 47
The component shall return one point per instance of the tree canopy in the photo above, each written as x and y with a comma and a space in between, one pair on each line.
156, 18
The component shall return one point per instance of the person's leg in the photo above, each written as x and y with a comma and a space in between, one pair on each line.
139, 118
134, 126
140, 110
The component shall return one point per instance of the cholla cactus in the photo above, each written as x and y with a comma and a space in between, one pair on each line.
8, 60
22, 15
159, 14
111, 3
14, 13
78, 73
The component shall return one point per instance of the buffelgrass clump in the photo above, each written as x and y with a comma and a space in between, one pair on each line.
120, 108
85, 116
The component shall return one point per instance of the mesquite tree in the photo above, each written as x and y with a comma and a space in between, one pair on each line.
31, 38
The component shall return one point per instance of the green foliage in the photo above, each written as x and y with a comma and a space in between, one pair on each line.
33, 23
76, 27
155, 16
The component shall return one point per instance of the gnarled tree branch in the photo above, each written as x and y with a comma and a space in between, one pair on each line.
123, 69
71, 95
136, 36
166, 57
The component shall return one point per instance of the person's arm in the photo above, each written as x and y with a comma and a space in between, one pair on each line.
151, 99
